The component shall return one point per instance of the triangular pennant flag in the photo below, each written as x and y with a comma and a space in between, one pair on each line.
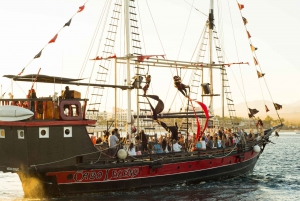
21, 71
80, 9
248, 34
277, 106
255, 61
241, 6
53, 39
253, 111
68, 23
245, 20
38, 55
253, 48
259, 74
267, 109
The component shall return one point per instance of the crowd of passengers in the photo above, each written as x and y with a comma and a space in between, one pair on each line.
144, 144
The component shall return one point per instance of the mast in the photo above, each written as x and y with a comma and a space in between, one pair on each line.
116, 98
211, 27
127, 47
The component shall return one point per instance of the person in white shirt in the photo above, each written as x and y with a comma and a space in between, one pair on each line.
203, 143
176, 147
112, 143
131, 150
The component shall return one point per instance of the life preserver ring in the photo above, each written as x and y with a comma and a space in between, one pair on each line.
70, 104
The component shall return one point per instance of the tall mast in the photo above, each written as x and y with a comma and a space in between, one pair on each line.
211, 27
127, 43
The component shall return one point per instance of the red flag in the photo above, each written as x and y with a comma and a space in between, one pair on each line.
255, 61
97, 58
241, 6
267, 109
80, 9
21, 71
197, 120
53, 39
205, 110
111, 57
248, 34
143, 57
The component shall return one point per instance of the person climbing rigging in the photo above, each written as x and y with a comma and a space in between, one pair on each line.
180, 86
146, 87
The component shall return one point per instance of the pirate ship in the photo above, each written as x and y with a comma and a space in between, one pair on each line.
51, 150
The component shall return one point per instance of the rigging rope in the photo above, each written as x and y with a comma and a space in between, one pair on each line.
238, 56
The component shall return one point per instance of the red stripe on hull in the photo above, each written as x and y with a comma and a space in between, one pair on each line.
145, 171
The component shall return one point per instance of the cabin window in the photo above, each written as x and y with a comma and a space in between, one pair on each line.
21, 134
44, 132
2, 133
68, 131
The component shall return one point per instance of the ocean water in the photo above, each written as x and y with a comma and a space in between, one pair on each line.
276, 177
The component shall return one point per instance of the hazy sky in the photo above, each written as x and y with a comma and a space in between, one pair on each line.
27, 26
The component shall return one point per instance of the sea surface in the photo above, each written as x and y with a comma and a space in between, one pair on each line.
276, 177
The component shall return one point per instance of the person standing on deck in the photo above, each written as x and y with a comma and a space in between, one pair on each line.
176, 147
112, 143
67, 93
144, 140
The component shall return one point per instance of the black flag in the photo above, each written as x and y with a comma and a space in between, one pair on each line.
38, 55
277, 106
68, 23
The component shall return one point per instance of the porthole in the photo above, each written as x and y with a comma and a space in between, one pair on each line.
68, 131
21, 134
44, 132
69, 177
2, 133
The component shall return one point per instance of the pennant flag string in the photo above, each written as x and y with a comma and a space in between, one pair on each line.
80, 9
256, 63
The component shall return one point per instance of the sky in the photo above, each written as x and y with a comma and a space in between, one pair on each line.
27, 26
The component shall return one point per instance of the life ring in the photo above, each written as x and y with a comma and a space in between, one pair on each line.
68, 104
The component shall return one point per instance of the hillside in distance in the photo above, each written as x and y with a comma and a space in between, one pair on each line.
289, 112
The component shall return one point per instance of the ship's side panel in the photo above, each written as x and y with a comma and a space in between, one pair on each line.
59, 146
13, 148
